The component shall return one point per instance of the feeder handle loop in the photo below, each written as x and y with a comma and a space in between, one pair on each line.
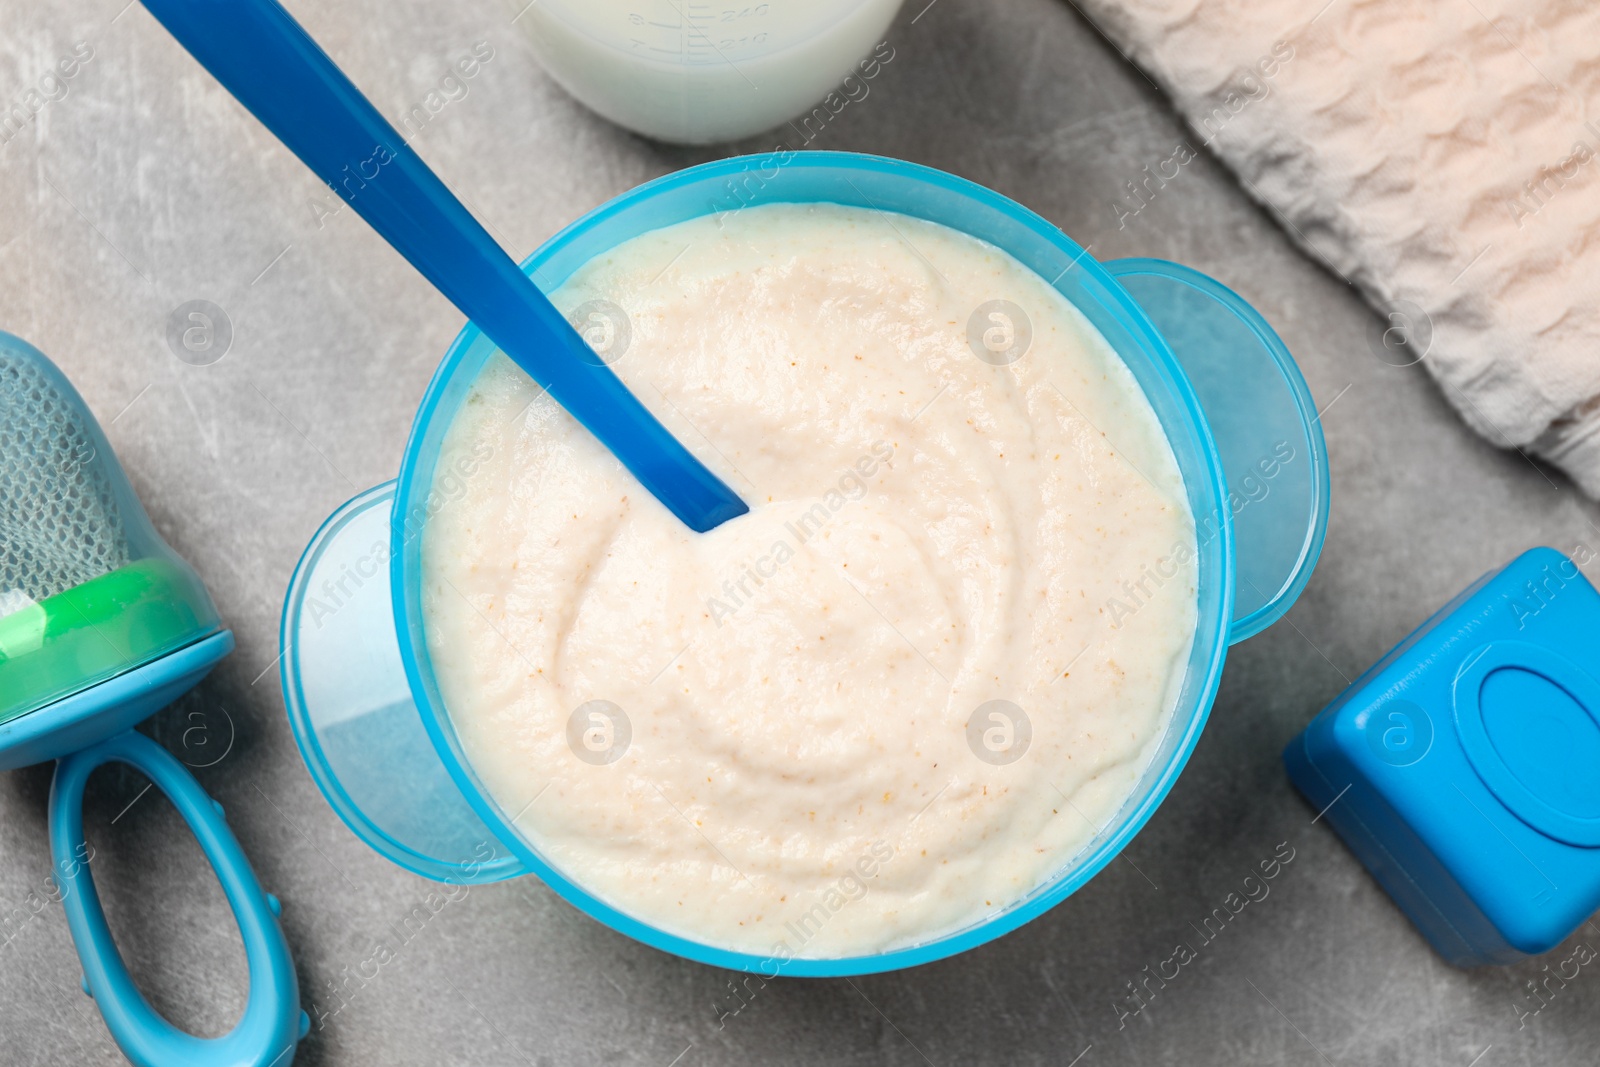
272, 1023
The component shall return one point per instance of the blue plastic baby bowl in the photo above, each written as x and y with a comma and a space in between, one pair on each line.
358, 683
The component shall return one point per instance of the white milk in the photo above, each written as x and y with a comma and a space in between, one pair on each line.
783, 736
698, 72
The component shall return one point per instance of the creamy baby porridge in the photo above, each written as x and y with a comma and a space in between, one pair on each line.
907, 687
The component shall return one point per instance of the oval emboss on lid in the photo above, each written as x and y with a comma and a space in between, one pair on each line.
1547, 739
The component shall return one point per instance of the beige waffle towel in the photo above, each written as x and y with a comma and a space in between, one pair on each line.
1441, 155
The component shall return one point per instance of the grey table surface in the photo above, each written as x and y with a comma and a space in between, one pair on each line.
146, 186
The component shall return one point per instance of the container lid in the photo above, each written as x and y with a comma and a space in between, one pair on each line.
1265, 425
351, 710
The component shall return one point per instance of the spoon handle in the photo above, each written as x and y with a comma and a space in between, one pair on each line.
273, 67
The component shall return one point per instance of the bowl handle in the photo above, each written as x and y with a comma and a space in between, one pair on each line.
1265, 425
272, 1023
351, 709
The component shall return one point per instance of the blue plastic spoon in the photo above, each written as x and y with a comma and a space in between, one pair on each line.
273, 67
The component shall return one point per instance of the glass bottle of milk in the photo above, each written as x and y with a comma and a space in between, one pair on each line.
702, 71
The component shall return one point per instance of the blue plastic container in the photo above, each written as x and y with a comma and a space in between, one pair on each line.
1463, 768
358, 683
